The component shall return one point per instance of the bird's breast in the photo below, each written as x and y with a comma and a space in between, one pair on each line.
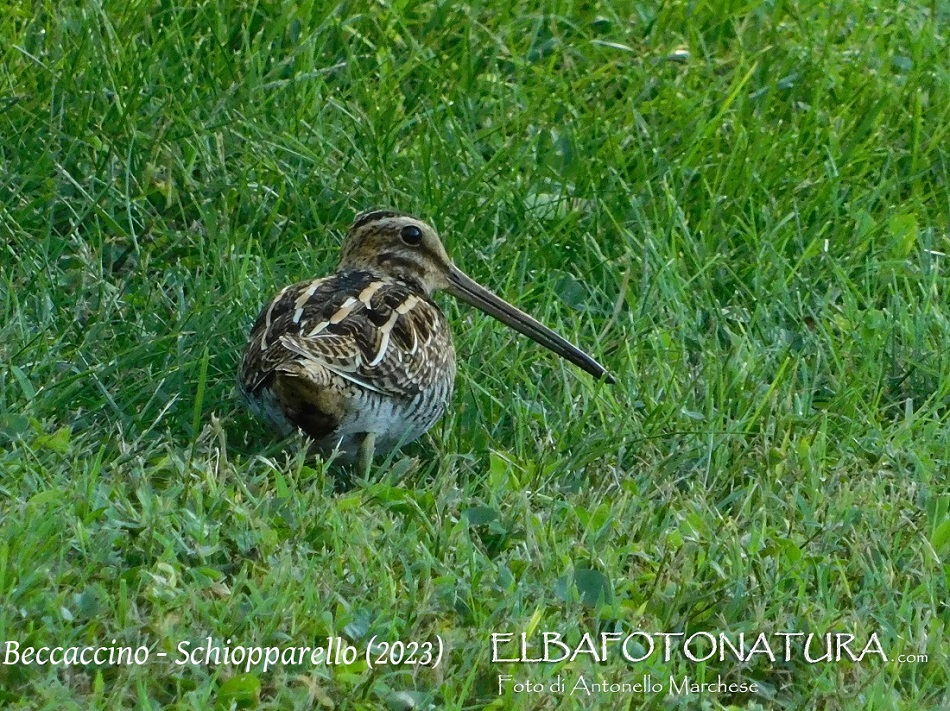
396, 420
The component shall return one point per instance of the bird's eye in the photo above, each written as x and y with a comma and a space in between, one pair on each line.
411, 235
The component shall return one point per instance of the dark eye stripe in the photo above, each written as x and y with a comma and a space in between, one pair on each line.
397, 260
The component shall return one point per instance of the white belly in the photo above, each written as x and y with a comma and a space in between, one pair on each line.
395, 421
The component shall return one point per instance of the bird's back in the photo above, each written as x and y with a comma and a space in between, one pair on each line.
347, 354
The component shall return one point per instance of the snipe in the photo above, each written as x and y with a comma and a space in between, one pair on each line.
362, 360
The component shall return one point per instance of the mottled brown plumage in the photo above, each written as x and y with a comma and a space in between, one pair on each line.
363, 359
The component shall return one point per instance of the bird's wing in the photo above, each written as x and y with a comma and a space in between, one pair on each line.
380, 334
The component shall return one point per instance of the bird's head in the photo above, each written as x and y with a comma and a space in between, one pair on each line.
399, 246
404, 247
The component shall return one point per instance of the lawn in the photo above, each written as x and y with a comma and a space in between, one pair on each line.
740, 208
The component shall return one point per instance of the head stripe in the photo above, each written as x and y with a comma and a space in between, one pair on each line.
364, 218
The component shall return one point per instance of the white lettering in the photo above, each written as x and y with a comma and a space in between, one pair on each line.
500, 638
648, 650
826, 657
788, 645
689, 640
761, 646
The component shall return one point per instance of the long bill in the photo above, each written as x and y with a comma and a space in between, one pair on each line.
468, 290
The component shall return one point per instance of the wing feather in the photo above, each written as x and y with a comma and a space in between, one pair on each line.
381, 334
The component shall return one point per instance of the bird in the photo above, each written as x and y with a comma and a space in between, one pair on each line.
362, 360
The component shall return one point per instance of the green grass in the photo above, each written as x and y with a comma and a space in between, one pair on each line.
753, 237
